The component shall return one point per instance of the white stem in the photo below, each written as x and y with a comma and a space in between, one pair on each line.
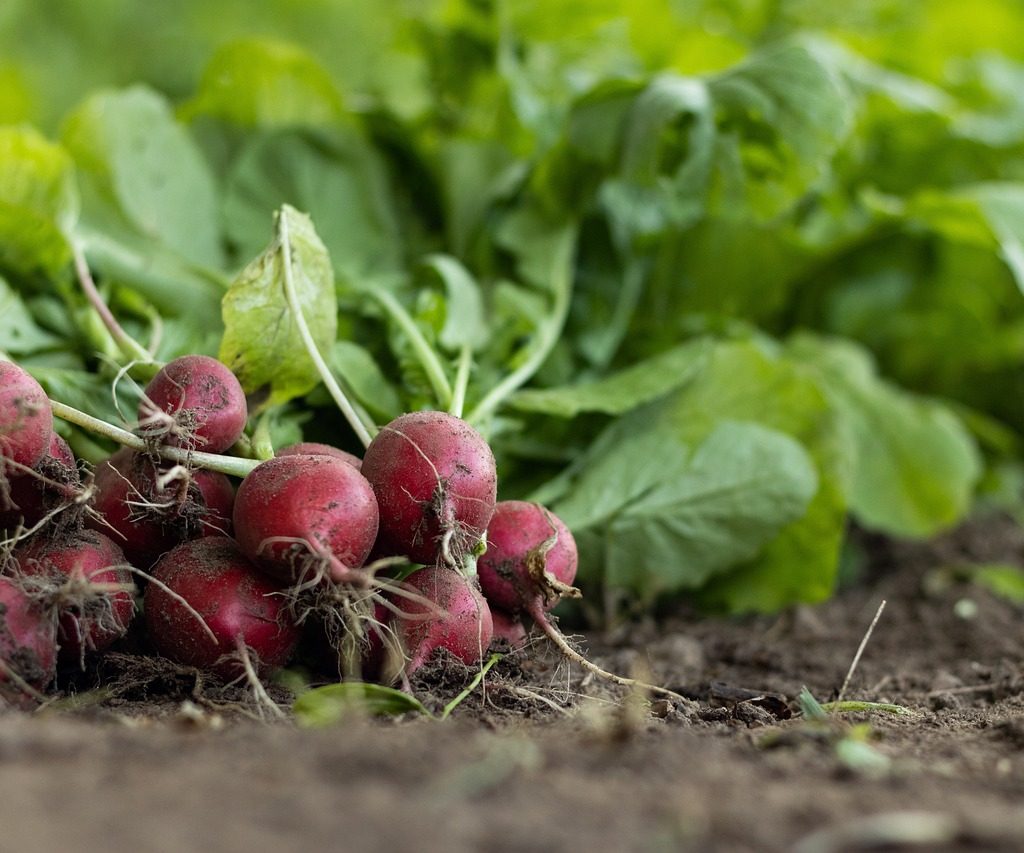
334, 389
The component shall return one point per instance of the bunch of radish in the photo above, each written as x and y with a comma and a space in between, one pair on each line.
230, 574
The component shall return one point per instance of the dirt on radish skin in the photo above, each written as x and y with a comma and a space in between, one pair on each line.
238, 603
26, 422
85, 577
53, 482
314, 448
150, 519
28, 643
302, 517
445, 611
531, 559
204, 400
436, 483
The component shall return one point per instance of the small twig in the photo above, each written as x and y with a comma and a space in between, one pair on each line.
860, 651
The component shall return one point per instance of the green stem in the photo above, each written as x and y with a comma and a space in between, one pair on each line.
365, 432
424, 351
231, 465
130, 348
851, 706
461, 382
544, 340
458, 700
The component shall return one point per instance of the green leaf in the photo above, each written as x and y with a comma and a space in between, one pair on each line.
736, 491
19, 332
744, 382
262, 344
619, 392
1006, 581
782, 114
143, 162
39, 203
363, 376
334, 703
337, 178
261, 82
465, 322
914, 465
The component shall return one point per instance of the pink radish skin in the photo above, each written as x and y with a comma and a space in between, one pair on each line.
237, 602
436, 484
26, 422
508, 628
205, 398
146, 533
531, 559
92, 589
457, 620
54, 480
294, 511
28, 642
313, 448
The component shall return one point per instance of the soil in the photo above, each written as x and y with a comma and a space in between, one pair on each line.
545, 758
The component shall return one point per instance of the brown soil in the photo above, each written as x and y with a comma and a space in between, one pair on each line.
545, 759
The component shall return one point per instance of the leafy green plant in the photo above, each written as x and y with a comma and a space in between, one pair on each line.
708, 291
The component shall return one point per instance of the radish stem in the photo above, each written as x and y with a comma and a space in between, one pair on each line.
364, 431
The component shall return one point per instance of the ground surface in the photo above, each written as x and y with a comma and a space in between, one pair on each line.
544, 761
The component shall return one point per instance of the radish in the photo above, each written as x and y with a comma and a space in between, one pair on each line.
89, 583
313, 448
436, 483
52, 482
28, 643
301, 517
26, 422
221, 605
530, 562
529, 566
194, 401
152, 509
440, 608
508, 628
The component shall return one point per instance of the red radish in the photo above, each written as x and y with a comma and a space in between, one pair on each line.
151, 512
28, 642
446, 611
529, 567
205, 399
53, 481
313, 448
26, 422
297, 516
436, 483
238, 603
91, 586
531, 559
508, 628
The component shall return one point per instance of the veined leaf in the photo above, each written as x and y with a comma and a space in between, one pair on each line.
145, 164
19, 332
39, 202
915, 465
619, 392
262, 344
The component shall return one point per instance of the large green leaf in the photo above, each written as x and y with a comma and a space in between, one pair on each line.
265, 83
262, 343
619, 392
19, 332
338, 178
144, 163
914, 465
39, 202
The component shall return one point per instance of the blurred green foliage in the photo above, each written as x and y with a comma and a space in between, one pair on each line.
779, 241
